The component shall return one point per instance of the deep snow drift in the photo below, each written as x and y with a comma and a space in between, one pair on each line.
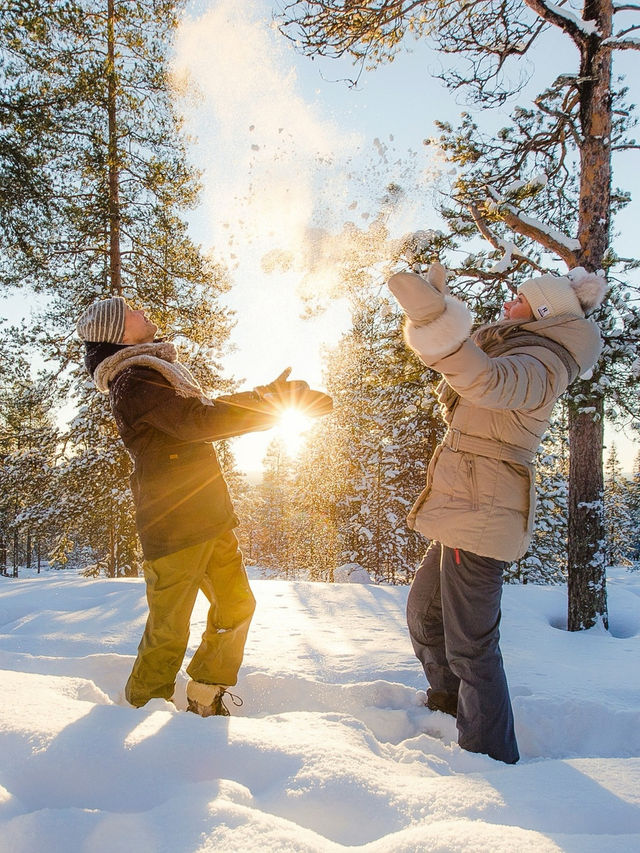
332, 748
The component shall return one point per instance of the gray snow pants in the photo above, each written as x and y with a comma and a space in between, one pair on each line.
453, 614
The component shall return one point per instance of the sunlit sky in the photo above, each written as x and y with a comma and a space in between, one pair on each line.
288, 152
286, 146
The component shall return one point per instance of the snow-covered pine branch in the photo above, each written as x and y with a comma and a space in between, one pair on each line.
622, 43
511, 254
564, 19
552, 239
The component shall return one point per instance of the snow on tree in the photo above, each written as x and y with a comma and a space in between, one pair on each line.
633, 506
275, 522
118, 178
28, 450
375, 446
618, 521
539, 190
546, 558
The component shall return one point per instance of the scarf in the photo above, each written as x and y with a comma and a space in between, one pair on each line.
160, 356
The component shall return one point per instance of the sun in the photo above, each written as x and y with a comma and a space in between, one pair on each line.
291, 426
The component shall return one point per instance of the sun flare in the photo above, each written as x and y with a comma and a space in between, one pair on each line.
291, 427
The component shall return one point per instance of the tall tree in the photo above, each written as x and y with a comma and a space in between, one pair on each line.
37, 97
363, 466
118, 173
276, 518
28, 454
618, 521
634, 511
572, 128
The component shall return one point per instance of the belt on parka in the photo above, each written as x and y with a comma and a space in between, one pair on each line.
460, 441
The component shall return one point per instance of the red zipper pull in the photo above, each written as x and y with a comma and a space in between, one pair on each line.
457, 553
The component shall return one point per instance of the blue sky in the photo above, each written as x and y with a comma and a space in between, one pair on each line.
285, 146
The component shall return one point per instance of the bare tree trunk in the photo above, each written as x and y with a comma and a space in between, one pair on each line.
586, 560
587, 565
113, 159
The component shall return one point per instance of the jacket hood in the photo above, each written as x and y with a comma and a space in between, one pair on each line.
97, 351
579, 336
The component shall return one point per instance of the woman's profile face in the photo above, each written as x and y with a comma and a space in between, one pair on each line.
518, 309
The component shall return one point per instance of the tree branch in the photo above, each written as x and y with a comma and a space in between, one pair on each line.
565, 247
621, 44
490, 237
566, 22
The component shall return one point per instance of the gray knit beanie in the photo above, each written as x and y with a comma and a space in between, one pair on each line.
103, 321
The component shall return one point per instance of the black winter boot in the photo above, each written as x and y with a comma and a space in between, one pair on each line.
439, 700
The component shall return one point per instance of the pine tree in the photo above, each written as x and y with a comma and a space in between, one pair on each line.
122, 185
363, 466
28, 451
37, 98
319, 492
634, 512
275, 521
546, 559
616, 511
556, 154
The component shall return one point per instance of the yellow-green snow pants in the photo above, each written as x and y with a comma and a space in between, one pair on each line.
217, 568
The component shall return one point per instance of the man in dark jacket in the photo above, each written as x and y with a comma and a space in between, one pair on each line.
184, 514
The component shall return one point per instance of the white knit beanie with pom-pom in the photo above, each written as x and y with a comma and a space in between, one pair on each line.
576, 293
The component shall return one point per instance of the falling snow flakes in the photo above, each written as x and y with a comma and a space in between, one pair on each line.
381, 148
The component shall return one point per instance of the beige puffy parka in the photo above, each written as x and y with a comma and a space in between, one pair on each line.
499, 387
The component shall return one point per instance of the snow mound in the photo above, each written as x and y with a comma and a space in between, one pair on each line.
351, 573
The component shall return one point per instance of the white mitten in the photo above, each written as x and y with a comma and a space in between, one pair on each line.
421, 299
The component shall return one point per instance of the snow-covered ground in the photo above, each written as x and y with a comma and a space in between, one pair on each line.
331, 750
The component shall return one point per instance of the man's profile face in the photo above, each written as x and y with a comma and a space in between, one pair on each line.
137, 328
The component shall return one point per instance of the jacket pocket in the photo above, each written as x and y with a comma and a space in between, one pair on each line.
473, 482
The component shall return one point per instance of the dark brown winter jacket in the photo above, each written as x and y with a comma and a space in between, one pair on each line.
180, 494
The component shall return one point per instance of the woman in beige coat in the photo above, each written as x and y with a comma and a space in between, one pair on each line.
498, 389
